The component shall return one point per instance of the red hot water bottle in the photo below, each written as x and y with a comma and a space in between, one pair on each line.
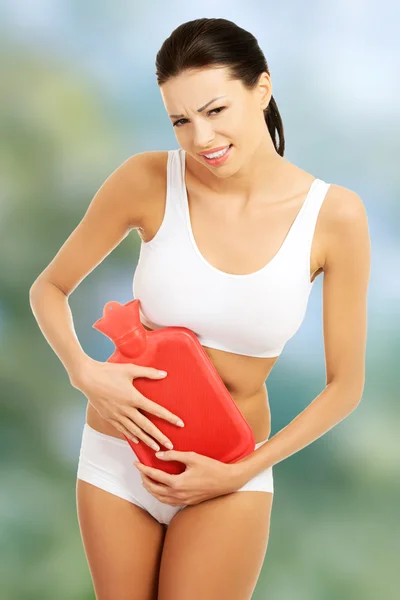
193, 389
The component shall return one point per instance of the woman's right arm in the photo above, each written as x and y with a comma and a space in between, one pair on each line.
117, 207
52, 312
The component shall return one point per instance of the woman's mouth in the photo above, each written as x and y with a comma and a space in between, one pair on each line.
220, 159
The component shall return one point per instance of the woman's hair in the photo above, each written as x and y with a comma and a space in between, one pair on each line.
207, 42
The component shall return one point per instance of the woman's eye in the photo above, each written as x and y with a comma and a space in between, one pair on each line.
219, 109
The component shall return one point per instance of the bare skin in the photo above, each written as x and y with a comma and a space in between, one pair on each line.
244, 376
239, 219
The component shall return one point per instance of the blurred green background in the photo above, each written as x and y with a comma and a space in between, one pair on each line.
79, 96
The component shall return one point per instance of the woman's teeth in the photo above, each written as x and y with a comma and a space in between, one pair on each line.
217, 154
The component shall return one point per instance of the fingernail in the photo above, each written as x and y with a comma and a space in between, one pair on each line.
168, 445
159, 454
155, 447
180, 423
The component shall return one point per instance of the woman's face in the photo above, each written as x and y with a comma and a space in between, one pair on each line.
235, 115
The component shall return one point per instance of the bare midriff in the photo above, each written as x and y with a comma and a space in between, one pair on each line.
245, 379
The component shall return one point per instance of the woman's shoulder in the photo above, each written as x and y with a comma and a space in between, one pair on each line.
148, 175
154, 162
149, 182
342, 207
340, 210
343, 214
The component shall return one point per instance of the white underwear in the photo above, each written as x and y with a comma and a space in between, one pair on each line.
107, 462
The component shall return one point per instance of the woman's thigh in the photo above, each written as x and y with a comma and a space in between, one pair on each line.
123, 544
216, 549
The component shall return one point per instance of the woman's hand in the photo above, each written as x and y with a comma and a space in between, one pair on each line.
108, 387
203, 479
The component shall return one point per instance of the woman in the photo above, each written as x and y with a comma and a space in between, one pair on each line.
231, 246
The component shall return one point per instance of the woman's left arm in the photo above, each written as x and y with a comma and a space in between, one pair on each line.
345, 287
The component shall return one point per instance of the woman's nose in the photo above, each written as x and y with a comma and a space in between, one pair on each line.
203, 137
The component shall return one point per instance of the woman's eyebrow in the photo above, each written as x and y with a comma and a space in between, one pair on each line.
200, 109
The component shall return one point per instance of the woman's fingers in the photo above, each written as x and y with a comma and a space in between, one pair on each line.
146, 425
140, 401
124, 430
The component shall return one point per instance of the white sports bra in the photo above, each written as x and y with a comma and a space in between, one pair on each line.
253, 314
